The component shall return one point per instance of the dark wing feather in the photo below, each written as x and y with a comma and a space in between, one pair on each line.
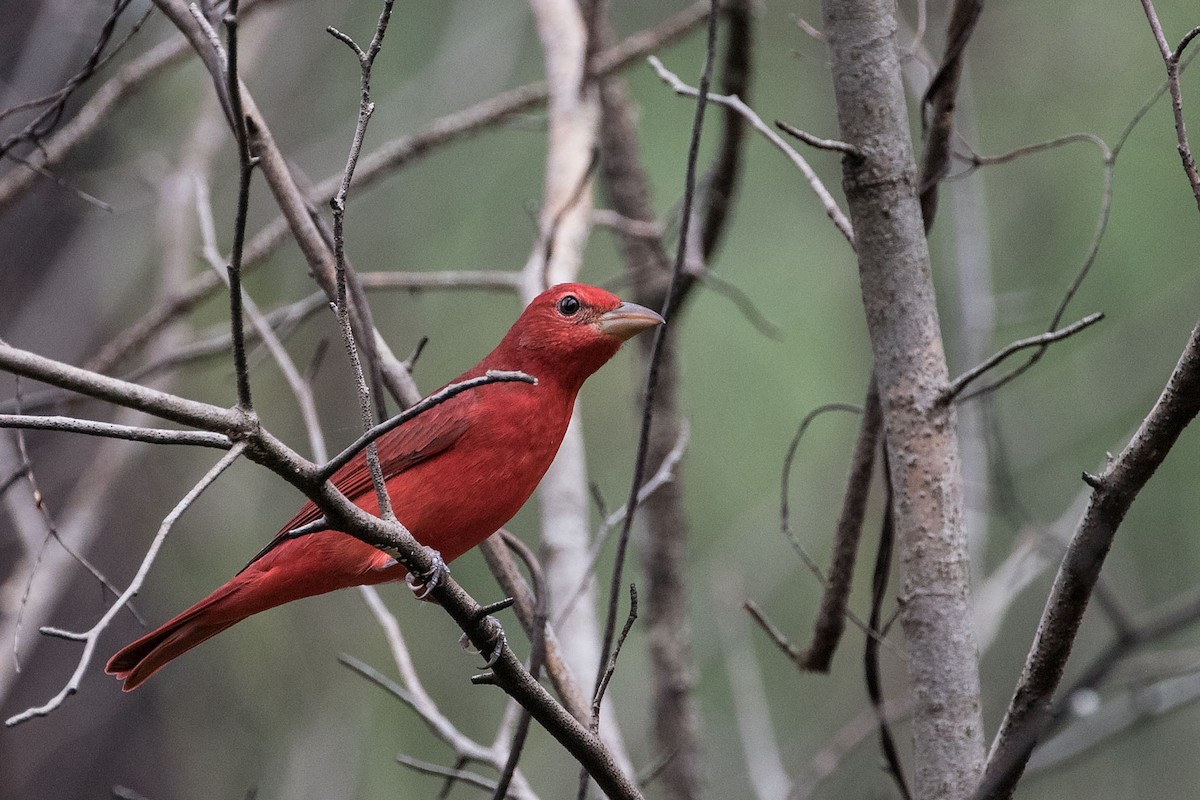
399, 450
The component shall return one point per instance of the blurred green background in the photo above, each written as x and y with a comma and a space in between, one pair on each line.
266, 707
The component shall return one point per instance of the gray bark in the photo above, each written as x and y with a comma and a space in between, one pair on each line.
911, 369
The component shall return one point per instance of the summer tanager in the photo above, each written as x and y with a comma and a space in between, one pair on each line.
455, 474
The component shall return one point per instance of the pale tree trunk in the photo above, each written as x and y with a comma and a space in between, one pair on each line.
910, 365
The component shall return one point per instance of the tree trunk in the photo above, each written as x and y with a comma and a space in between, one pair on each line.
910, 364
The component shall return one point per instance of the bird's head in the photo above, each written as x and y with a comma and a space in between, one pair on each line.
573, 329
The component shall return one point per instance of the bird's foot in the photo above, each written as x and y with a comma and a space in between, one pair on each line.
423, 584
497, 640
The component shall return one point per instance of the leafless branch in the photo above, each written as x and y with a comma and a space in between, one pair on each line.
384, 161
817, 141
504, 567
835, 213
300, 388
607, 674
939, 104
413, 694
831, 620
122, 393
606, 677
537, 657
92, 635
1171, 61
664, 474
245, 171
110, 430
910, 368
1114, 491
1041, 340
879, 581
55, 104
345, 277
459, 775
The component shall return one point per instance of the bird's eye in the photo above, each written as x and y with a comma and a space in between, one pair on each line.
568, 306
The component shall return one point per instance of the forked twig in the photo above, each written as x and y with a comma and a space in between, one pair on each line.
91, 636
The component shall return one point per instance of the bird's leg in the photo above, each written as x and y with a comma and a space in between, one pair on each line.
496, 633
423, 584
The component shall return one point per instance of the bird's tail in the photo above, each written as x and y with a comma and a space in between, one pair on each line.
137, 661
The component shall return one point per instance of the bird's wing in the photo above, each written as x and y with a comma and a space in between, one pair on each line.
400, 450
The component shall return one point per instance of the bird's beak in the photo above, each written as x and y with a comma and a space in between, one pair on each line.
628, 320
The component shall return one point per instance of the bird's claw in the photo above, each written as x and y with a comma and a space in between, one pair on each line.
422, 585
499, 642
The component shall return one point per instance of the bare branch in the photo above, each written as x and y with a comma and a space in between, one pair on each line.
962, 381
899, 300
834, 603
504, 567
1116, 489
345, 274
300, 388
835, 213
92, 635
879, 581
464, 776
110, 430
939, 104
245, 170
55, 103
664, 475
817, 141
386, 160
122, 393
1171, 61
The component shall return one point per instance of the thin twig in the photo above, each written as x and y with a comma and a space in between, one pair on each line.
1171, 61
606, 676
536, 659
608, 522
92, 635
879, 580
245, 172
817, 142
461, 775
835, 213
939, 104
504, 568
296, 382
341, 306
56, 103
962, 381
388, 159
111, 430
611, 668
831, 621
1114, 491
656, 353
785, 517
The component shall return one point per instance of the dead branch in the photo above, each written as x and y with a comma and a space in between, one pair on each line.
1114, 491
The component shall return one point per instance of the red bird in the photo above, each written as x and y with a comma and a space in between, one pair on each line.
455, 473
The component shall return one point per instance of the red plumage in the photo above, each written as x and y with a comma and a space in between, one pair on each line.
455, 474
